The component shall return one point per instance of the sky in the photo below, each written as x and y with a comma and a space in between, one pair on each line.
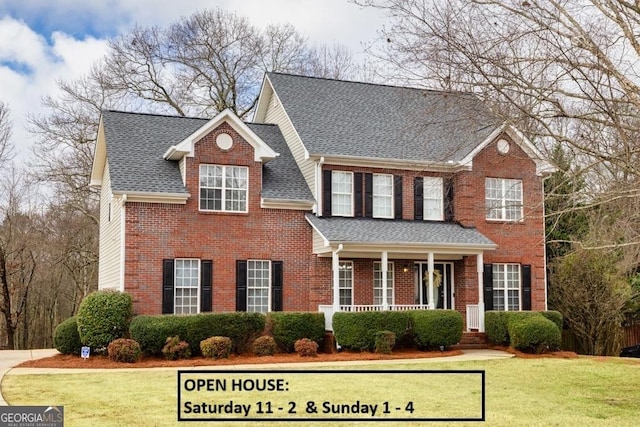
43, 41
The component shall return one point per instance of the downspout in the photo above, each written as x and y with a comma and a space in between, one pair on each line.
123, 236
318, 190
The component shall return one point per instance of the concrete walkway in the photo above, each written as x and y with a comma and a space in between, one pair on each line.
10, 358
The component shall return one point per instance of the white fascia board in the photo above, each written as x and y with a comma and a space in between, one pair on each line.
542, 166
263, 100
99, 157
302, 205
441, 248
262, 152
400, 164
151, 197
315, 229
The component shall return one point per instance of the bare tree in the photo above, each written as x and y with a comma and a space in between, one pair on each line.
6, 128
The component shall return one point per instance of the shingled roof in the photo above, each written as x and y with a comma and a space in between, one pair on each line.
343, 118
136, 143
385, 232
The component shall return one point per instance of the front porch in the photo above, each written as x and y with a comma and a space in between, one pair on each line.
474, 316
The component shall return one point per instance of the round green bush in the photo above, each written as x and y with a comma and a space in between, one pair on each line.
66, 338
104, 316
495, 326
436, 328
355, 331
124, 350
535, 335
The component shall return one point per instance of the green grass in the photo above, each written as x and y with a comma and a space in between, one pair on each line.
531, 392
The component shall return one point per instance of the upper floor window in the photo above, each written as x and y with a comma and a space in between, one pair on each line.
223, 188
433, 198
503, 199
382, 196
342, 193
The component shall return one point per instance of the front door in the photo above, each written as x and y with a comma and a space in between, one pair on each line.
442, 284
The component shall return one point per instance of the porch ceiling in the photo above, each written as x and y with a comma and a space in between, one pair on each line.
404, 238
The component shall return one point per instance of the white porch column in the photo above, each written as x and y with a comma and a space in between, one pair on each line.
480, 269
385, 262
430, 269
335, 267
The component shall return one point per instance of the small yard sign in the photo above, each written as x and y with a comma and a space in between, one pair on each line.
84, 352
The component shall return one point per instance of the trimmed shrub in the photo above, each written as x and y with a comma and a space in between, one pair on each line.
435, 328
554, 316
264, 346
535, 335
124, 350
66, 338
495, 325
355, 331
175, 349
104, 316
287, 328
385, 340
216, 347
306, 347
152, 331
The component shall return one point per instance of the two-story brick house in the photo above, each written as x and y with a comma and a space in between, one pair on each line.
334, 188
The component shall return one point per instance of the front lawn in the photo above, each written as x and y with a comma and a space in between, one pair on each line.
587, 391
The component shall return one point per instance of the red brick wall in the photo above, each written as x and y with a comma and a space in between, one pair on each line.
158, 231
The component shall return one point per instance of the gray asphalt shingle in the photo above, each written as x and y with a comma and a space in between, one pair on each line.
335, 117
381, 231
137, 142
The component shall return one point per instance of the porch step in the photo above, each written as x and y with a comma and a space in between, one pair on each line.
472, 340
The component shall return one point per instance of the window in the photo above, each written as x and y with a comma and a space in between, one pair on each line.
506, 287
258, 285
433, 204
187, 275
341, 193
377, 283
223, 188
382, 196
345, 276
503, 199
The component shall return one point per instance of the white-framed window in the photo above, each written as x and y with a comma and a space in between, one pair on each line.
382, 196
187, 286
433, 198
258, 286
341, 193
503, 199
345, 279
223, 188
506, 287
377, 283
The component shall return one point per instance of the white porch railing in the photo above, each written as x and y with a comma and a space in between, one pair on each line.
328, 310
473, 317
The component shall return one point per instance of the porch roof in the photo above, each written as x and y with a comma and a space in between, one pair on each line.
398, 233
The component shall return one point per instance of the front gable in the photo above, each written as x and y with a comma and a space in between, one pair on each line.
262, 152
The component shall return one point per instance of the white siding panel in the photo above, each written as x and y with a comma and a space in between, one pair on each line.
276, 114
318, 242
110, 236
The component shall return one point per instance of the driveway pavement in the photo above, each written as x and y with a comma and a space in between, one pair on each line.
10, 358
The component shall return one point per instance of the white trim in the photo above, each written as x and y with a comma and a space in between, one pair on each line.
400, 164
123, 246
153, 197
223, 189
99, 157
262, 152
300, 205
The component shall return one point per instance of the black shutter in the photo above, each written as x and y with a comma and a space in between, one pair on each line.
418, 198
448, 199
368, 195
526, 287
487, 281
241, 285
276, 286
326, 193
206, 276
357, 194
167, 286
397, 196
